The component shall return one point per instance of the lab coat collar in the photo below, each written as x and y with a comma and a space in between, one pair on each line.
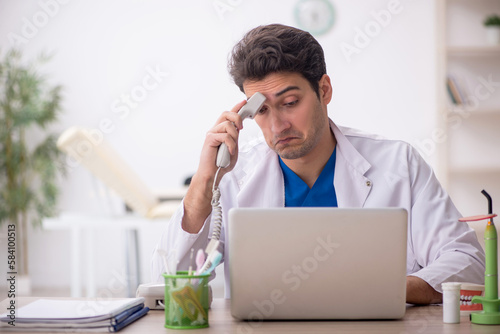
351, 185
265, 186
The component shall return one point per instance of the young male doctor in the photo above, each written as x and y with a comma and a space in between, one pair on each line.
307, 160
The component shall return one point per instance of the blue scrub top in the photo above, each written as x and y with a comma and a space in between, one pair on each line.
298, 193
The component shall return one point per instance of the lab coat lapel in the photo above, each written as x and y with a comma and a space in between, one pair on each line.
265, 186
351, 186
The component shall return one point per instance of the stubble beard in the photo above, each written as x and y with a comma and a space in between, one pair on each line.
312, 138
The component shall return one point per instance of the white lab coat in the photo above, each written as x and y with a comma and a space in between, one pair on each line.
369, 172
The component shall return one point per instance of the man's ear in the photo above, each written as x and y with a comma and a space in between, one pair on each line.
325, 89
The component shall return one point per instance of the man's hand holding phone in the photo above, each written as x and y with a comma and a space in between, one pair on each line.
222, 136
226, 130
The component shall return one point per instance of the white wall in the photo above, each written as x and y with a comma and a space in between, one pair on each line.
104, 49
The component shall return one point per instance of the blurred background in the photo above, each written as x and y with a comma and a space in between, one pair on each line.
150, 77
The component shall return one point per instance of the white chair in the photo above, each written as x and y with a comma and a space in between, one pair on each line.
91, 150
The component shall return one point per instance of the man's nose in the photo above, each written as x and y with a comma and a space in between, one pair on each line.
279, 122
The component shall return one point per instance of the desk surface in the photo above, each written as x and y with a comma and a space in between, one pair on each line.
418, 319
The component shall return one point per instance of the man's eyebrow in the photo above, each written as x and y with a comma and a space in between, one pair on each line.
286, 90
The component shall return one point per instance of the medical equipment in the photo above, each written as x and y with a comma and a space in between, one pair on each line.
169, 260
212, 262
491, 304
190, 270
200, 260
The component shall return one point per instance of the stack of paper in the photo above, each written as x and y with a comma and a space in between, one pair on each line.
56, 315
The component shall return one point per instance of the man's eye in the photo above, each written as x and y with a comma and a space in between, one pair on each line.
291, 104
262, 110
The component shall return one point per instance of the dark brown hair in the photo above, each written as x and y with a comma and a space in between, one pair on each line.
277, 48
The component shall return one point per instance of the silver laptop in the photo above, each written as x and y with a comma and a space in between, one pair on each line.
317, 263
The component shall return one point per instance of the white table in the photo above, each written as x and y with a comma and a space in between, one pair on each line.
82, 228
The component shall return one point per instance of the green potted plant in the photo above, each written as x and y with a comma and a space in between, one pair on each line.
492, 25
29, 158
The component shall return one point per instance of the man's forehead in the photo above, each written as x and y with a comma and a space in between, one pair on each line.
275, 84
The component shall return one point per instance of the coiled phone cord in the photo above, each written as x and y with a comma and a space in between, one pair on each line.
216, 209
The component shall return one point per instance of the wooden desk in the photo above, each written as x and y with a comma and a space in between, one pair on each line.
418, 319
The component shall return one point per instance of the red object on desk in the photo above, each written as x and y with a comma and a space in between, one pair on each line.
476, 218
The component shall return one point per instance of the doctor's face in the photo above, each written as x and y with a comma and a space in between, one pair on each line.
293, 119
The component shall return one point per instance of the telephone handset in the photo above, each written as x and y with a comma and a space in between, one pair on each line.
249, 110
154, 293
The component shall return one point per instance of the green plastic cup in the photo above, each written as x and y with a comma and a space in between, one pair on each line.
186, 300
